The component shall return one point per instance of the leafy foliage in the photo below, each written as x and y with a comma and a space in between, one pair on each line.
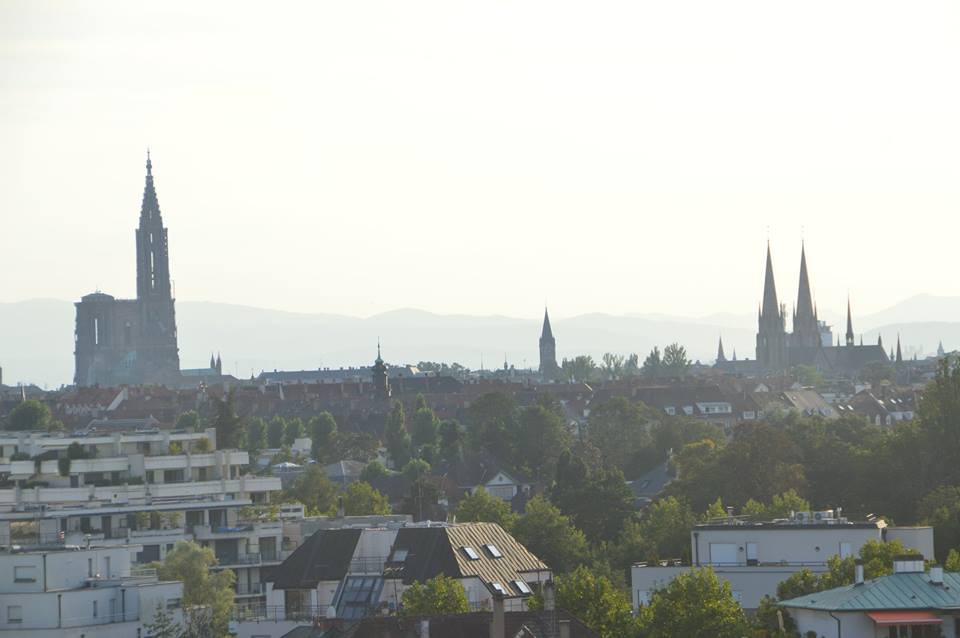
29, 415
545, 531
596, 601
695, 603
481, 506
317, 492
438, 596
191, 563
360, 499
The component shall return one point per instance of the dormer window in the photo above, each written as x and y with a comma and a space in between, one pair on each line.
522, 587
471, 553
399, 555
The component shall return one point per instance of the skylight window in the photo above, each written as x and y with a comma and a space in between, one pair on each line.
522, 587
471, 553
497, 587
493, 551
400, 555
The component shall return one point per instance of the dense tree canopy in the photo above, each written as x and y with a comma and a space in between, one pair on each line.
202, 587
441, 595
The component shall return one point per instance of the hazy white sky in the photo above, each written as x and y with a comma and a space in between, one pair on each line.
355, 157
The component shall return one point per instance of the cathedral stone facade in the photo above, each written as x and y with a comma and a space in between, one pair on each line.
810, 343
132, 341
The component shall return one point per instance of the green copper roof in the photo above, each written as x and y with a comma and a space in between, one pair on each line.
897, 591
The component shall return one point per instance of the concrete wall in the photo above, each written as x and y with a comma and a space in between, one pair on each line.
809, 545
918, 538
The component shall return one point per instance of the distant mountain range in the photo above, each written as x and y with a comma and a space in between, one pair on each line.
36, 336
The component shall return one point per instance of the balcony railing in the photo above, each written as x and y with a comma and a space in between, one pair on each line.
259, 612
253, 589
367, 565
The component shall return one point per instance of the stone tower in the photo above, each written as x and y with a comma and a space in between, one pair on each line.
132, 341
381, 381
772, 330
806, 328
548, 347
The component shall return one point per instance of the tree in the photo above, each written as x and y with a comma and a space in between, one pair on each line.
612, 365
481, 506
545, 531
652, 365
581, 368
631, 367
675, 362
323, 434
415, 469
360, 499
191, 563
425, 425
256, 436
695, 603
29, 415
317, 492
451, 441
356, 446
275, 432
188, 421
162, 625
228, 425
598, 501
293, 431
493, 425
807, 376
665, 527
541, 439
396, 438
620, 430
596, 602
782, 506
441, 595
374, 471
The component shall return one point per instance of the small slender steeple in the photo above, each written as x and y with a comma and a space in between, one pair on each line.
899, 352
721, 357
219, 365
880, 340
548, 347
849, 324
734, 354
806, 332
213, 363
940, 351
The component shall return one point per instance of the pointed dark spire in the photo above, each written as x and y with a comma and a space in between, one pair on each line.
721, 357
804, 297
213, 362
940, 351
880, 340
770, 307
379, 359
547, 332
899, 352
850, 336
150, 206
734, 354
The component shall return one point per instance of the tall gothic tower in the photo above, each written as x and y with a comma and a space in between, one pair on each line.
772, 329
806, 327
133, 341
548, 347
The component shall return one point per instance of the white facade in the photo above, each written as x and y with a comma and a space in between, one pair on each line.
756, 557
151, 489
81, 593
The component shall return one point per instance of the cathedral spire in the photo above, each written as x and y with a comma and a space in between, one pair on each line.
899, 352
849, 323
548, 348
770, 307
153, 264
721, 357
547, 331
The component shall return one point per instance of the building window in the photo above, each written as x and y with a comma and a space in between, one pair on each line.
94, 609
25, 574
471, 553
522, 587
493, 551
14, 614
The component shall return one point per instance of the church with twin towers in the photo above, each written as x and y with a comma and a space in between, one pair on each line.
811, 341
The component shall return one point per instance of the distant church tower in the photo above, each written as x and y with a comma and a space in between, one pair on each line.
806, 328
133, 341
850, 326
381, 381
772, 330
548, 347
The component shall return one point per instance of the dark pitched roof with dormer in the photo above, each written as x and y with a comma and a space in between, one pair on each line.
324, 556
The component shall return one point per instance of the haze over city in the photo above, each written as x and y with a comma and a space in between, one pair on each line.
483, 159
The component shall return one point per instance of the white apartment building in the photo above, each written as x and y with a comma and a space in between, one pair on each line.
68, 592
151, 489
757, 556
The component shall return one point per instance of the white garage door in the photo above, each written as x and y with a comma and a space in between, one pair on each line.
723, 554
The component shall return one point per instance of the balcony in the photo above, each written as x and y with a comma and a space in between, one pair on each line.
251, 559
253, 589
248, 612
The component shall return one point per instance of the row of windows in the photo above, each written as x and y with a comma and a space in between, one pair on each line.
491, 549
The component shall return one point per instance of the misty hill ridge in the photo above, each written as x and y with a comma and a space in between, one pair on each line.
37, 336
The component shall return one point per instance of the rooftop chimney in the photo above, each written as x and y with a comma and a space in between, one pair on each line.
549, 596
908, 564
936, 575
858, 571
498, 624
